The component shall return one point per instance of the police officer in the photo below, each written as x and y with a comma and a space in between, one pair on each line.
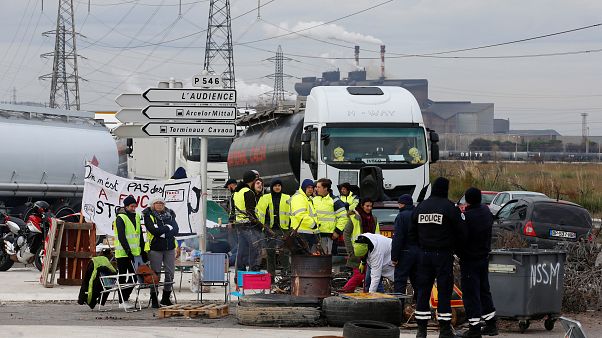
436, 225
247, 225
474, 262
404, 250
274, 209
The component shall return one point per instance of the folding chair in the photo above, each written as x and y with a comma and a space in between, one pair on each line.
215, 271
111, 283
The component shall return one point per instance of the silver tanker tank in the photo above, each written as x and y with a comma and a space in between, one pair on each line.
44, 151
278, 139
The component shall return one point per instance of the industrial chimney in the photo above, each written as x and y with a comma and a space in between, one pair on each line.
382, 62
357, 57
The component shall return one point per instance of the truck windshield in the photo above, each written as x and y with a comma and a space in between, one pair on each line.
389, 146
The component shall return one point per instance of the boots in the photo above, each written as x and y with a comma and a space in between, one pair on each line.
165, 298
422, 324
474, 331
154, 300
490, 328
445, 329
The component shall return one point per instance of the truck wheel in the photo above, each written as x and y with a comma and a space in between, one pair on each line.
39, 258
523, 325
370, 329
549, 324
339, 310
277, 316
5, 261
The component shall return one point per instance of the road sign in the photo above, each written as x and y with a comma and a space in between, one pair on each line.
207, 81
177, 113
131, 101
124, 131
190, 95
166, 129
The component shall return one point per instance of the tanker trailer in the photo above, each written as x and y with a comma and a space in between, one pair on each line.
340, 131
43, 155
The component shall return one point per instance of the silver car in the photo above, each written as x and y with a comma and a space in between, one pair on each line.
504, 196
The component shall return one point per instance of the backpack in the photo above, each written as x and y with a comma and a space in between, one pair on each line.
147, 274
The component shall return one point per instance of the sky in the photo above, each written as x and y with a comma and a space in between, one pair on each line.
127, 46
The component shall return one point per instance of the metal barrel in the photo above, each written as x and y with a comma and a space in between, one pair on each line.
311, 275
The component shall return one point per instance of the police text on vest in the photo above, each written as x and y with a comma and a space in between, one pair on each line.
430, 218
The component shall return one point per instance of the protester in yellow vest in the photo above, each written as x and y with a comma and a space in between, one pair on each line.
348, 197
161, 226
129, 242
248, 227
332, 215
362, 221
304, 219
274, 209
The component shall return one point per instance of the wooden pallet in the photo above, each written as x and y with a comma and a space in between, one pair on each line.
193, 311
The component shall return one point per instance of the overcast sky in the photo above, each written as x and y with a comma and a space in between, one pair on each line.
534, 92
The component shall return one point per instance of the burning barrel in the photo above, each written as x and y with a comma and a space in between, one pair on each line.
311, 275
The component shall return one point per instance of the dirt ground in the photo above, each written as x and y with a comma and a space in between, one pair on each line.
72, 314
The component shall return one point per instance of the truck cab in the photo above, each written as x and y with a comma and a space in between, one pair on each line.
348, 128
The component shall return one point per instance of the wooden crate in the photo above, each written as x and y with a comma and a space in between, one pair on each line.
77, 248
193, 311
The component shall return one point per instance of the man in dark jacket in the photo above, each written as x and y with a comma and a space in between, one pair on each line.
474, 264
129, 246
437, 227
404, 251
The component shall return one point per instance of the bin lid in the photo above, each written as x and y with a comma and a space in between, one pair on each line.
526, 251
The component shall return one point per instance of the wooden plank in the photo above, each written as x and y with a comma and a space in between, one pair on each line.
193, 311
80, 255
78, 226
69, 282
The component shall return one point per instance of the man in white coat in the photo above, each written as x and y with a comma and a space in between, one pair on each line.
378, 258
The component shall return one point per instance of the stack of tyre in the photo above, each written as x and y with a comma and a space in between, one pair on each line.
278, 310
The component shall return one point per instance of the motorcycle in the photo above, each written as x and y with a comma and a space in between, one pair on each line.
23, 241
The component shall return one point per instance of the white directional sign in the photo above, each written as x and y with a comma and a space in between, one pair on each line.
131, 101
207, 81
166, 129
177, 113
124, 131
190, 95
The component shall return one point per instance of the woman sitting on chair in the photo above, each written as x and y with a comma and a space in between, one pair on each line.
161, 227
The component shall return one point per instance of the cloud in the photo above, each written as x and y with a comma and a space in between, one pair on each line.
249, 93
329, 31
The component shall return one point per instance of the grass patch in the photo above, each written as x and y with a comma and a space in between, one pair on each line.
578, 183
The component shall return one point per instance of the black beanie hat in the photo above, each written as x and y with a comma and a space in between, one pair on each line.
440, 187
473, 196
249, 176
274, 182
129, 200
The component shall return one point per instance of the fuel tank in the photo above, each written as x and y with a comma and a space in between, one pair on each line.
273, 148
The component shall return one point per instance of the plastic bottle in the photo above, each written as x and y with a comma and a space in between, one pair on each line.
183, 253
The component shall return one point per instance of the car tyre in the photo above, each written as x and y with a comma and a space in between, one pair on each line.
339, 310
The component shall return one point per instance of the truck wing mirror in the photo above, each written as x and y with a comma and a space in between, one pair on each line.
306, 152
434, 137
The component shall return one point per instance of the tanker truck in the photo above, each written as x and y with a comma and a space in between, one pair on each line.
43, 155
338, 133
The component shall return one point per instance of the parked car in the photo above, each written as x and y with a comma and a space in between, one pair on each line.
544, 221
503, 197
487, 197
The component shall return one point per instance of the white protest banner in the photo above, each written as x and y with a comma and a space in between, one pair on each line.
104, 194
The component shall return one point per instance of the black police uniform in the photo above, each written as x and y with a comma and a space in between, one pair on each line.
474, 263
436, 225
